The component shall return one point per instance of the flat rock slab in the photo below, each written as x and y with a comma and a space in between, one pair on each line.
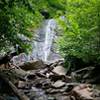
58, 84
60, 70
32, 65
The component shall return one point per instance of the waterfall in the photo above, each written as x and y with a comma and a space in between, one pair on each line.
43, 43
44, 39
49, 36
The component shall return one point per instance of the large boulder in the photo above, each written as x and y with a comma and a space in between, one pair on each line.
24, 63
60, 70
32, 65
83, 92
21, 58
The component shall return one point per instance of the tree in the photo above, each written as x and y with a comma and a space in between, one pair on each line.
81, 31
19, 18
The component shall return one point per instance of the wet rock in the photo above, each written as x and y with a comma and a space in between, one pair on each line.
56, 77
47, 91
42, 83
37, 94
61, 97
46, 84
39, 74
31, 77
96, 93
60, 70
49, 74
51, 98
60, 62
83, 92
32, 65
44, 71
19, 59
19, 72
58, 84
54, 63
68, 88
23, 61
54, 91
21, 84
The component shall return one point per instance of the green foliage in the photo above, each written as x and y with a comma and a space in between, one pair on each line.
20, 18
16, 20
81, 30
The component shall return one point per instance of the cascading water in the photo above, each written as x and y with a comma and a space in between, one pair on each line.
43, 43
42, 47
49, 36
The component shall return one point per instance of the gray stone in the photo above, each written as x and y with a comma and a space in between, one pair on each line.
21, 84
58, 84
60, 70
32, 65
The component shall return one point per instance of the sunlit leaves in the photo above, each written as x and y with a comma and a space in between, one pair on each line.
81, 34
22, 17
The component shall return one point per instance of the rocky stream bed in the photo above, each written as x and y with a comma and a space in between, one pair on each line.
36, 80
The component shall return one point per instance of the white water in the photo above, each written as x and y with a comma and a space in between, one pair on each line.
43, 45
42, 48
49, 36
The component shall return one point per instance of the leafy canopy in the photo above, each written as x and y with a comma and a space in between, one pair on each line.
81, 30
19, 18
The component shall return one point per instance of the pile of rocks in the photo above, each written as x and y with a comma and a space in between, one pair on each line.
52, 83
42, 81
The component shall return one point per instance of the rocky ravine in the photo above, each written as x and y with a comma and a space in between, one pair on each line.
35, 80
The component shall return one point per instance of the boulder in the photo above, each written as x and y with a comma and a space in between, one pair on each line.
60, 70
24, 63
83, 92
58, 84
21, 84
21, 58
32, 65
